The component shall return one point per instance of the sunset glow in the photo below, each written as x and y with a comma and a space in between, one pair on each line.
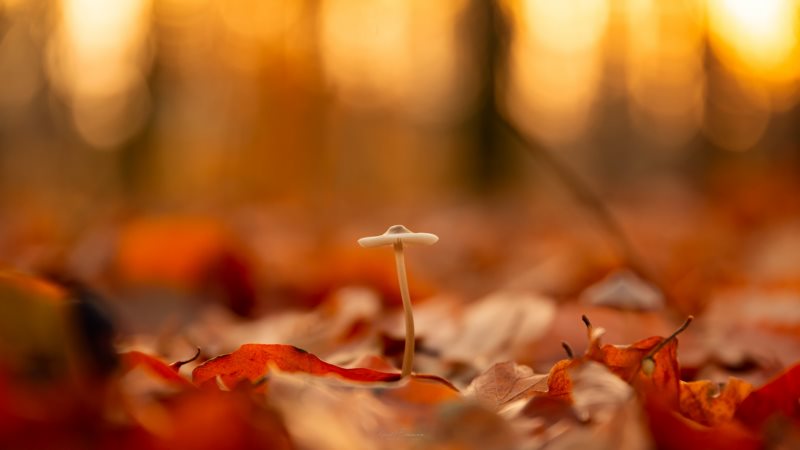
758, 37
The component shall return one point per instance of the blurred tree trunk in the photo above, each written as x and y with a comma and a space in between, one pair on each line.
488, 165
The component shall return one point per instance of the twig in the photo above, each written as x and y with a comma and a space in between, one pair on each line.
583, 194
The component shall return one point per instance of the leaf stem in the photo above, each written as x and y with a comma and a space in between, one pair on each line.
178, 364
568, 350
672, 336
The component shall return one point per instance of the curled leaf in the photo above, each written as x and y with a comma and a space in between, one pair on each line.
505, 382
559, 383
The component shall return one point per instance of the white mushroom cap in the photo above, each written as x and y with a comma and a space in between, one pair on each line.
398, 233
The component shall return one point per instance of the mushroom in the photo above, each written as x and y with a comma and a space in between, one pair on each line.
397, 236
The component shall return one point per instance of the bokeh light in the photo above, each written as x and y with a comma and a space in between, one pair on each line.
757, 37
555, 65
757, 44
233, 100
99, 59
664, 69
398, 54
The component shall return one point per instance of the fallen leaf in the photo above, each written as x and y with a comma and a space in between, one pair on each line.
500, 326
705, 403
187, 253
747, 327
609, 415
545, 418
208, 420
559, 383
620, 326
596, 392
330, 413
253, 361
781, 396
506, 382
626, 362
671, 430
625, 290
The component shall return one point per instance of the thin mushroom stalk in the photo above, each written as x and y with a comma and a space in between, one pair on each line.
408, 313
397, 236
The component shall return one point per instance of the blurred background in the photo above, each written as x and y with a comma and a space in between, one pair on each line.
185, 156
186, 101
341, 107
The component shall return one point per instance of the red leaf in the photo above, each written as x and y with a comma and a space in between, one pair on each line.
208, 420
779, 396
673, 431
252, 361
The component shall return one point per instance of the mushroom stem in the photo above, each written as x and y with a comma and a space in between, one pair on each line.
402, 279
397, 236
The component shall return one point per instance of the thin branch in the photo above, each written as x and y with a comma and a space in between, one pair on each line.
584, 195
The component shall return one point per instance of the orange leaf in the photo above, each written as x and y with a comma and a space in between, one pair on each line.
252, 361
703, 402
781, 396
559, 384
626, 362
186, 253
422, 390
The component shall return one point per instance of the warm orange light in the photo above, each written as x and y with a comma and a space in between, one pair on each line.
565, 26
11, 5
555, 66
756, 36
365, 47
19, 69
98, 58
397, 54
664, 69
101, 39
266, 20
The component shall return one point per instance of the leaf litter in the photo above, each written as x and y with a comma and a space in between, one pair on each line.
489, 372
